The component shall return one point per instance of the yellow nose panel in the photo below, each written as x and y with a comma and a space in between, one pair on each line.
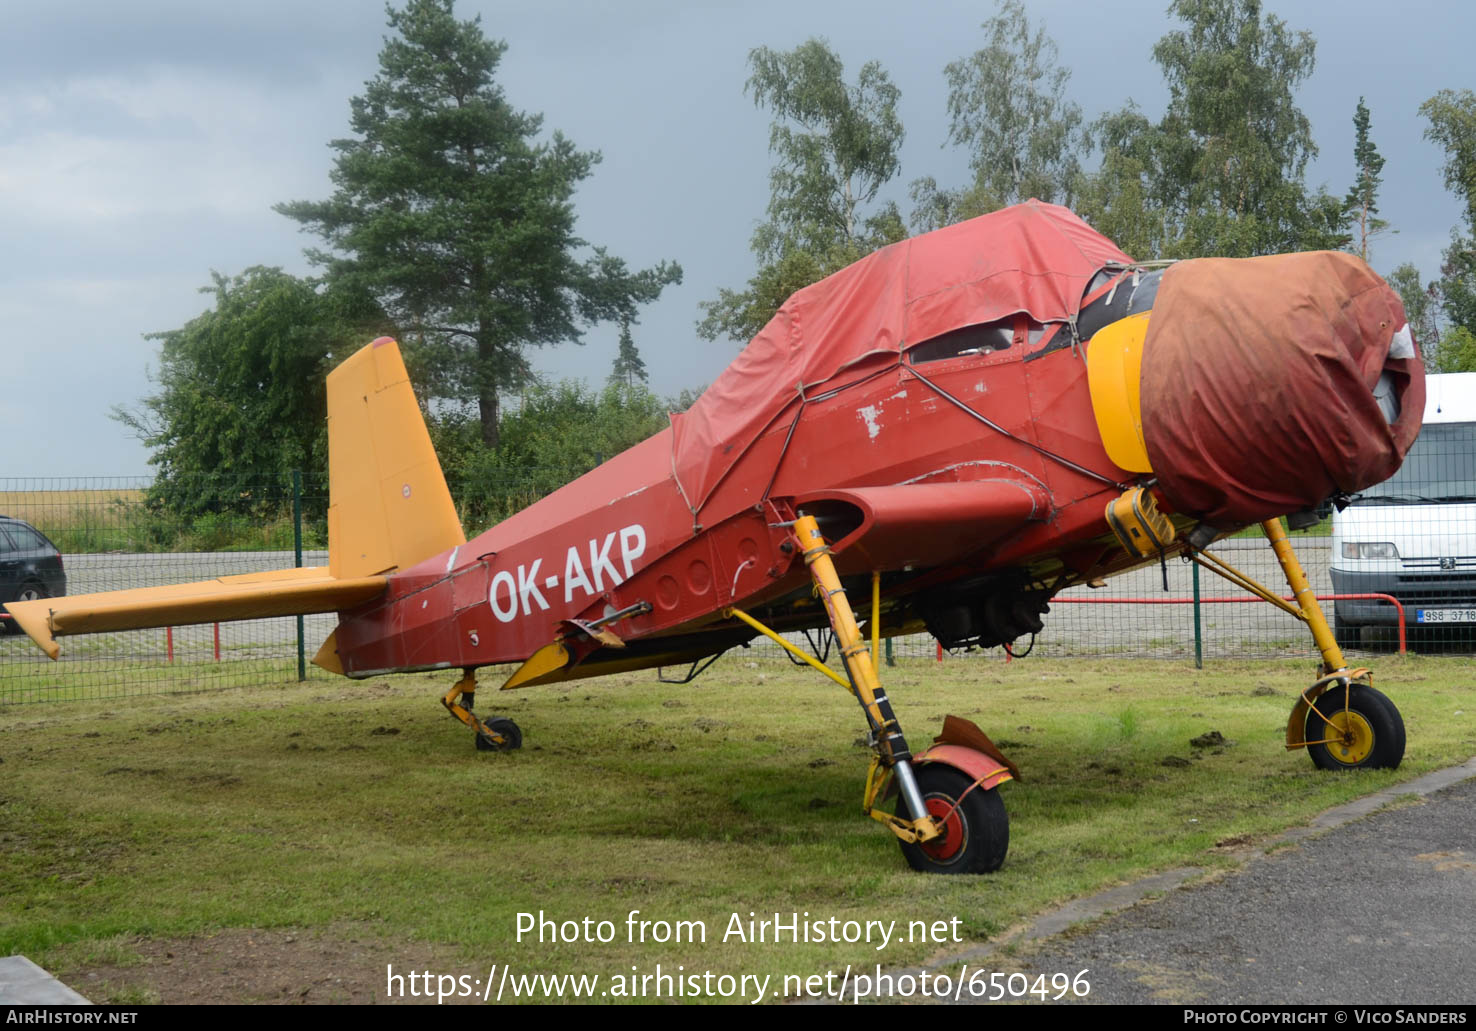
1114, 371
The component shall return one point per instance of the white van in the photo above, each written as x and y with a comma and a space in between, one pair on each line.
1414, 535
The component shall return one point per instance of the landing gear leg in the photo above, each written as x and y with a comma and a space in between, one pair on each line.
949, 818
498, 734
888, 744
1354, 726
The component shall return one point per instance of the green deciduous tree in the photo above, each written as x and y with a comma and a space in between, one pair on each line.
1120, 199
1223, 171
1362, 202
1457, 284
835, 146
241, 401
450, 211
1452, 118
1008, 107
556, 433
1455, 352
1233, 144
1421, 307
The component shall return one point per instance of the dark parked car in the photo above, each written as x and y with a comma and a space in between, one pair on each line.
30, 566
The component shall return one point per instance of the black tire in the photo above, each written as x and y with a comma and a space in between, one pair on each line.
31, 590
977, 835
1346, 634
1370, 724
512, 737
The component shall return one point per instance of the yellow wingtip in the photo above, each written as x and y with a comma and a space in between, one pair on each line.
34, 617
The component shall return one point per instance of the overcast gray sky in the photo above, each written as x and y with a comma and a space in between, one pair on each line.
143, 142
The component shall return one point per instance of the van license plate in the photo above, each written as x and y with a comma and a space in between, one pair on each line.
1445, 615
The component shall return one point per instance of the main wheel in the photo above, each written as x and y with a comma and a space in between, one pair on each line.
976, 834
1362, 732
511, 736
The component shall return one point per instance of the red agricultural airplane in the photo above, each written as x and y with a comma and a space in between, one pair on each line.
952, 429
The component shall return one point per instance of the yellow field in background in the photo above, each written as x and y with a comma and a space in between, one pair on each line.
49, 510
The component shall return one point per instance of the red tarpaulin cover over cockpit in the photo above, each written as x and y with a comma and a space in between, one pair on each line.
1307, 337
1035, 258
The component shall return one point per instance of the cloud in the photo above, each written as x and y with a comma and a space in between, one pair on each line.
156, 141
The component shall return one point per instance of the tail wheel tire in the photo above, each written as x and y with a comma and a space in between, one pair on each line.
512, 736
1360, 731
976, 833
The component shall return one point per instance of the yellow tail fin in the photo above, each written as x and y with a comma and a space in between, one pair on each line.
389, 506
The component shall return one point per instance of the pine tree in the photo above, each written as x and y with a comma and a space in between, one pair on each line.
1362, 199
451, 213
628, 365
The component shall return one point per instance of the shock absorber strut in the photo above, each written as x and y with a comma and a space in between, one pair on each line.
890, 745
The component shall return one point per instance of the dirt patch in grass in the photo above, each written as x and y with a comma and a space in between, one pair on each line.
263, 966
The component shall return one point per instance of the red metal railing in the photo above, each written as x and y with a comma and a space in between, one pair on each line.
169, 641
168, 638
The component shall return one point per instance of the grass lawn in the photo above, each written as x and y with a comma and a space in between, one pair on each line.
350, 823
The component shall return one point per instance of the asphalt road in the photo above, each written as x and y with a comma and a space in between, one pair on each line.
1379, 911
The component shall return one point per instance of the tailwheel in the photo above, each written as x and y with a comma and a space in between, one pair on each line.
505, 730
976, 832
1356, 729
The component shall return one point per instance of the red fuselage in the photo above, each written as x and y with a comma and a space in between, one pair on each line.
623, 533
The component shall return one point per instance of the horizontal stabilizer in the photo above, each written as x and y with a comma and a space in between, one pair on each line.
286, 592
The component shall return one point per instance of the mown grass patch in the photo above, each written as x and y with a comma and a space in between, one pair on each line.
336, 805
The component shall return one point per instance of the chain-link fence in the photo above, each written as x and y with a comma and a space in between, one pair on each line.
1401, 559
120, 533
1132, 616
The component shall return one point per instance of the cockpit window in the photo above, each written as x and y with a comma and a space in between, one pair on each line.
982, 339
1101, 279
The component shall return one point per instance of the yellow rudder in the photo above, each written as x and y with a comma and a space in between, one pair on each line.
389, 506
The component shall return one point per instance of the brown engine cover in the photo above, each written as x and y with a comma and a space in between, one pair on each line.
1283, 352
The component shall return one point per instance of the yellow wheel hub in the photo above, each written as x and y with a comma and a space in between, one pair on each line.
1350, 739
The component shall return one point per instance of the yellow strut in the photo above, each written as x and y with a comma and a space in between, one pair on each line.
1332, 655
876, 620
859, 664
467, 687
1334, 665
842, 620
781, 642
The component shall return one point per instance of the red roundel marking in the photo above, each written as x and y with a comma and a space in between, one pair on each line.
946, 845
